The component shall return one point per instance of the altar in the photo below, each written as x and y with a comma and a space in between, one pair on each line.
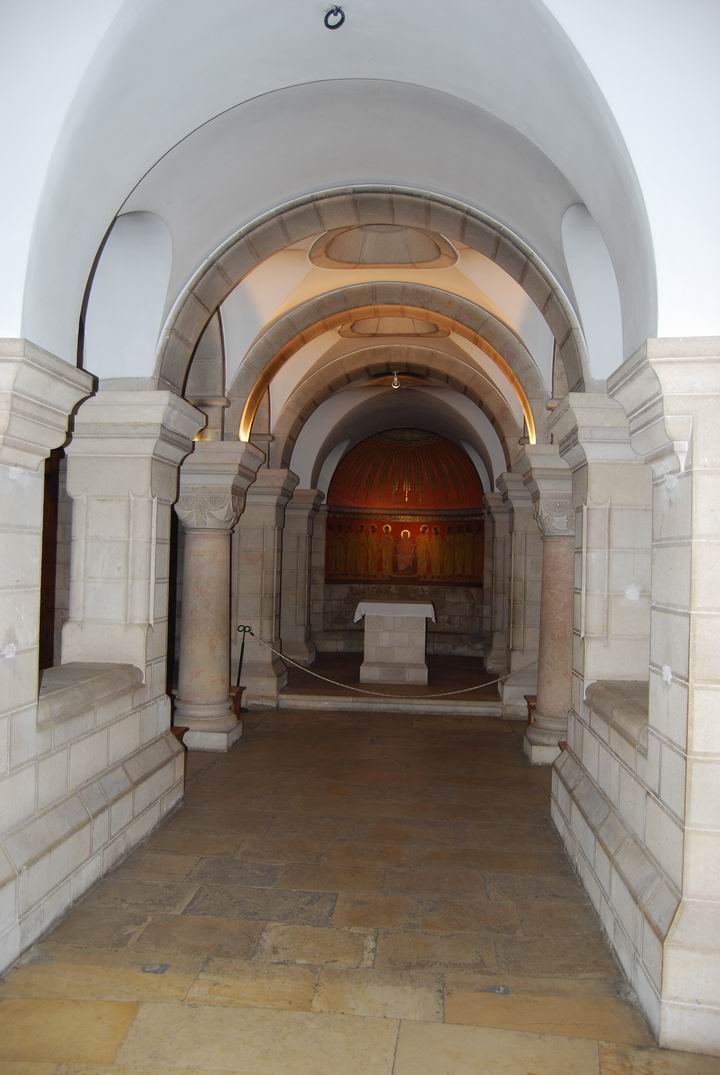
394, 641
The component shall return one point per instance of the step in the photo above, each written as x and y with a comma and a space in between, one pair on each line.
344, 702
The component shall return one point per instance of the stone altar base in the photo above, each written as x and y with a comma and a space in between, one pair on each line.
394, 642
379, 672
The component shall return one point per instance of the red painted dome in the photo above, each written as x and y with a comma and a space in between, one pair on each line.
403, 470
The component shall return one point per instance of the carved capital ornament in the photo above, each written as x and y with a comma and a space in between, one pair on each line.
209, 509
555, 516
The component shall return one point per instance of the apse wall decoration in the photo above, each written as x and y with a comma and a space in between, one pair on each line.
405, 505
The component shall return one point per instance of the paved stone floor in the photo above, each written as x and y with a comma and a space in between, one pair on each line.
341, 895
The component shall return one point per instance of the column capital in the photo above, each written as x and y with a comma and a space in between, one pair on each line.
37, 394
497, 507
670, 390
305, 502
548, 478
129, 432
590, 427
512, 488
213, 483
273, 487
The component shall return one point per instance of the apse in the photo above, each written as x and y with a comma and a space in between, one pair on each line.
405, 520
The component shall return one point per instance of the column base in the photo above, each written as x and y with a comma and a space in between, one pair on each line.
541, 745
496, 659
211, 727
263, 680
300, 650
213, 741
513, 691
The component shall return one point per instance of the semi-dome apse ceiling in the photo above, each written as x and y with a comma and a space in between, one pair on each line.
405, 505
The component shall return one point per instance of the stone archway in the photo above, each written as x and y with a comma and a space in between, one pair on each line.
290, 332
357, 366
323, 211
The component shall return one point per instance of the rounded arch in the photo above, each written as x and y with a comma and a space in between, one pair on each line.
349, 418
302, 324
364, 204
359, 365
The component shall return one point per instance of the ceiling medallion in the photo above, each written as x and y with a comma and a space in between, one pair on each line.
390, 325
382, 246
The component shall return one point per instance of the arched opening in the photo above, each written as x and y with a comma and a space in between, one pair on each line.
378, 398
405, 521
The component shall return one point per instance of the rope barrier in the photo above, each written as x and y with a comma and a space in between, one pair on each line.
380, 694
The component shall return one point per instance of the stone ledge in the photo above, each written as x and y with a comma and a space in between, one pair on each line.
48, 862
651, 890
74, 688
39, 836
623, 705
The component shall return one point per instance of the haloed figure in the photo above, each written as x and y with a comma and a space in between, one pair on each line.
387, 547
424, 563
436, 553
361, 552
406, 554
374, 564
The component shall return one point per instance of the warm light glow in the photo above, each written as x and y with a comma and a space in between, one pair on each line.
281, 357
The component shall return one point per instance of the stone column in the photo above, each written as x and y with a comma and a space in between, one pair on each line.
547, 477
499, 511
524, 597
213, 482
122, 476
37, 393
296, 554
258, 573
670, 391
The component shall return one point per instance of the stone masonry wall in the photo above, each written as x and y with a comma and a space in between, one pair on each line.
84, 783
459, 612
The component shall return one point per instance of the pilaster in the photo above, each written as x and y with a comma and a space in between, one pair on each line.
37, 394
612, 501
295, 628
524, 597
499, 512
257, 581
317, 573
122, 478
547, 477
488, 561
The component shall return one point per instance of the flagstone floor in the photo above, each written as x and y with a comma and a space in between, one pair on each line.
344, 894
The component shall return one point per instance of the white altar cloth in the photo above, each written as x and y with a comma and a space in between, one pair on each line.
395, 608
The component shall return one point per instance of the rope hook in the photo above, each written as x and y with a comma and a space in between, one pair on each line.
334, 18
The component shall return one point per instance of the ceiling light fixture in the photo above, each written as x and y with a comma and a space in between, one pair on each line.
395, 381
334, 18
